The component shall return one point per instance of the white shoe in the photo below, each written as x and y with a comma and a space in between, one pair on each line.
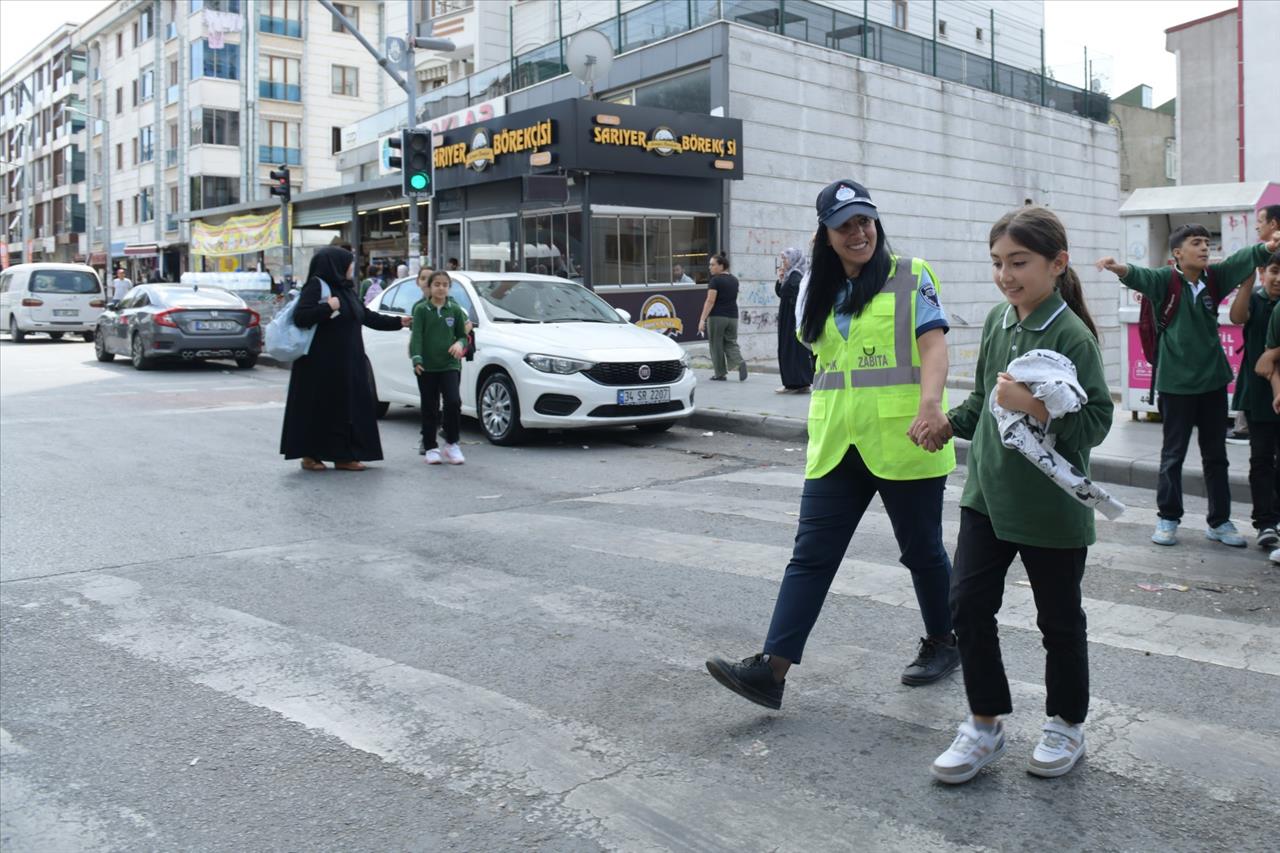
453, 454
1061, 746
1275, 556
972, 750
432, 457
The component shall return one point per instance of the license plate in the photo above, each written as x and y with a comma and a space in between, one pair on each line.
644, 396
66, 312
216, 325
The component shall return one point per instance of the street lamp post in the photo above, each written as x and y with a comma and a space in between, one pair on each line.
106, 179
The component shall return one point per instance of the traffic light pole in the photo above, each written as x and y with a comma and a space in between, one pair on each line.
286, 244
415, 238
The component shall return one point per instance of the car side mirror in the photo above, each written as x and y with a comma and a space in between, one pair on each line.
624, 314
112, 305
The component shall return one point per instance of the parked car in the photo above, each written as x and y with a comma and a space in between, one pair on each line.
50, 298
169, 321
549, 354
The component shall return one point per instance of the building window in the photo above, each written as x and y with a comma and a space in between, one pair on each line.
335, 140
134, 141
351, 13
688, 91
281, 138
345, 80
942, 28
119, 100
147, 84
119, 156
120, 45
215, 127
232, 6
119, 211
173, 199
146, 211
900, 14
146, 26
146, 144
223, 63
280, 17
978, 34
133, 92
283, 80
448, 7
1170, 159
214, 191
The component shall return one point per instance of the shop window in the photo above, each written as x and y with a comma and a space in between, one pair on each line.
647, 250
692, 241
450, 242
604, 251
657, 251
688, 91
491, 245
552, 244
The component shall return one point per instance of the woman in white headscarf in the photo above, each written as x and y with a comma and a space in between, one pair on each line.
795, 361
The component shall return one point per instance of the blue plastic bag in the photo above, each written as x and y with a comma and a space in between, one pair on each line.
285, 341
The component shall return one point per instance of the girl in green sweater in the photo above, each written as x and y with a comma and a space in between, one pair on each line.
1010, 509
436, 348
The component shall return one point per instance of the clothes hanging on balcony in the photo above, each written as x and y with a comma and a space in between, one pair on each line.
218, 24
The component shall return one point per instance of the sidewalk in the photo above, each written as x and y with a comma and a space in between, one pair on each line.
1129, 456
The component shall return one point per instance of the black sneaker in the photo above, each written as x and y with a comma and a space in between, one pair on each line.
752, 679
1238, 436
934, 660
742, 372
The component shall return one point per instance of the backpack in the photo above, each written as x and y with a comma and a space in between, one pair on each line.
285, 340
1150, 327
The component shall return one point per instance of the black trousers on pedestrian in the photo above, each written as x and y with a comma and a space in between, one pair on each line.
977, 589
431, 387
1264, 472
830, 509
1206, 413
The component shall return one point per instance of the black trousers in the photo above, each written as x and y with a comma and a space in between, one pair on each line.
1206, 413
977, 590
431, 387
1264, 472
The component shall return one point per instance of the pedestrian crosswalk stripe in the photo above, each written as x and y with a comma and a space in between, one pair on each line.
1217, 641
571, 777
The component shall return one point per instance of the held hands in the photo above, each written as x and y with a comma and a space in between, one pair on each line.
930, 430
334, 304
457, 349
406, 322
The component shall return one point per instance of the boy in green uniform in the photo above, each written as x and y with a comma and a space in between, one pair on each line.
436, 346
1253, 309
1192, 372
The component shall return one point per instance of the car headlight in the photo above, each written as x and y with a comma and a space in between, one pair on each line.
684, 358
556, 364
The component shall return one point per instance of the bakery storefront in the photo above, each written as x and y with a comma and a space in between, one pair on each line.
629, 201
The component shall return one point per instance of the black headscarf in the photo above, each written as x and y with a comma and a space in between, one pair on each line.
330, 266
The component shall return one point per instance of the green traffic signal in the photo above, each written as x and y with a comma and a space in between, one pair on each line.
418, 181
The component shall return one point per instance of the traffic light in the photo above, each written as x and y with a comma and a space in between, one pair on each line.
419, 166
281, 186
396, 143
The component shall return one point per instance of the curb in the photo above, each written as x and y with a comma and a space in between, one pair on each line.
1117, 470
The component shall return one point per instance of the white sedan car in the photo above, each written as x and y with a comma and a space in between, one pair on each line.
549, 354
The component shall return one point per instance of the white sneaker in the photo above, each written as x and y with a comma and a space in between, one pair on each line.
972, 750
432, 457
1061, 746
1275, 556
453, 454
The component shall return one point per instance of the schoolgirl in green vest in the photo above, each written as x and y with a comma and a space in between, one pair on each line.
876, 325
1010, 509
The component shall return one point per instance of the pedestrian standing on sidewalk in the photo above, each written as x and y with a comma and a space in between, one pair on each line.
436, 347
120, 285
719, 320
1256, 313
795, 360
877, 401
1010, 508
329, 409
1192, 372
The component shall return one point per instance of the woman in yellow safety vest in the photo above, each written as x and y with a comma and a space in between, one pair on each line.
876, 326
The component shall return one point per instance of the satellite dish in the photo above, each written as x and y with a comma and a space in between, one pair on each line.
589, 57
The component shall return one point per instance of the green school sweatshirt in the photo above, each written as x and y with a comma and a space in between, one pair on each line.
1253, 391
434, 330
1023, 504
1191, 360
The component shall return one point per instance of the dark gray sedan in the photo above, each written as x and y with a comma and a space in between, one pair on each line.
158, 321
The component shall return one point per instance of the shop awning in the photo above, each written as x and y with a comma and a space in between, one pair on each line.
1195, 198
141, 250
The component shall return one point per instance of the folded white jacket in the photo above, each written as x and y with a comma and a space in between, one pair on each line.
1052, 379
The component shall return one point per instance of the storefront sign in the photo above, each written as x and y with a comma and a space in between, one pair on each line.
1231, 337
674, 312
239, 235
590, 136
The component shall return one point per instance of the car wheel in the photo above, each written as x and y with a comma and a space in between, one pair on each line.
656, 426
247, 362
16, 334
499, 411
100, 349
89, 336
55, 336
136, 355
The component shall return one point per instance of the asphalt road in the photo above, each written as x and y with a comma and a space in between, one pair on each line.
204, 648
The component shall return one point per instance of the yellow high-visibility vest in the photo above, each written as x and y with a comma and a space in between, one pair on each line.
866, 391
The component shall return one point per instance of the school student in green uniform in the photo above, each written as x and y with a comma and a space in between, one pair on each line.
1192, 372
1009, 508
436, 347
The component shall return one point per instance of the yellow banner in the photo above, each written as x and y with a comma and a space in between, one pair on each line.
239, 235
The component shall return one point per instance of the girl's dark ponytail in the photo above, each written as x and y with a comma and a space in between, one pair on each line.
1073, 294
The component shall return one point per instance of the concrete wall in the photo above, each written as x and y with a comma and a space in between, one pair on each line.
1261, 76
1142, 136
1207, 124
943, 162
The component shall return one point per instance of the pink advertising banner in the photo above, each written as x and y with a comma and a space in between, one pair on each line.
1232, 338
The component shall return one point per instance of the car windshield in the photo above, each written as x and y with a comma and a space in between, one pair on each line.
63, 281
543, 301
204, 297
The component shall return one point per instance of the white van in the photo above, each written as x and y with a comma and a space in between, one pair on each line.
50, 298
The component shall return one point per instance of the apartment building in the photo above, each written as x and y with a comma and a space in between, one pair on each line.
43, 168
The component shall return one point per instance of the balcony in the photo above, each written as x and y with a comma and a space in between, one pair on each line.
170, 158
170, 222
276, 154
279, 91
170, 30
171, 94
280, 26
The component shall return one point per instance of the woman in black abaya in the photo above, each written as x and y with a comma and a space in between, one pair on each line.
795, 362
329, 413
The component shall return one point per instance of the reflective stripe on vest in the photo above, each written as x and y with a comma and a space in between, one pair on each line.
828, 380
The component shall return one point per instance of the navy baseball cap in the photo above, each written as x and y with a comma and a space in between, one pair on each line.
841, 201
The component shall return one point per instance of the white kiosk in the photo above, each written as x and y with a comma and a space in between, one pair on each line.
1229, 211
